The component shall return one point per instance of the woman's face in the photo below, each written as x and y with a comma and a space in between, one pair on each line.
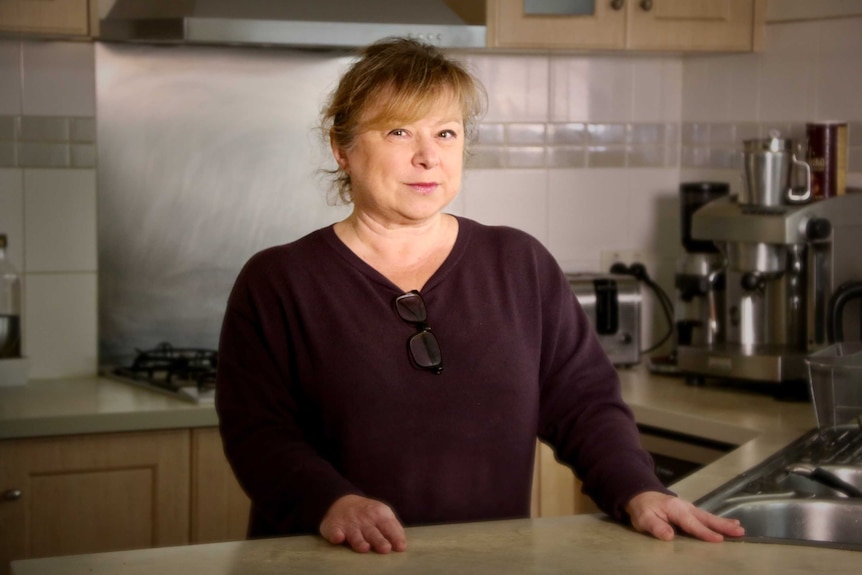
407, 173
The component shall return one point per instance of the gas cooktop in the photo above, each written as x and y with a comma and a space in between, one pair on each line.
184, 373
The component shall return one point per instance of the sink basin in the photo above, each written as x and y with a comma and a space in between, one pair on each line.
780, 501
852, 475
822, 522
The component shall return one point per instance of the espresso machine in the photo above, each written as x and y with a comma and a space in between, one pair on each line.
783, 257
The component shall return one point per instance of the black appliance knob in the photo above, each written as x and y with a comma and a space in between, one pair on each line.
818, 229
751, 281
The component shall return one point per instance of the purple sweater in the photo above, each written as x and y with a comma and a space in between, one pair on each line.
317, 397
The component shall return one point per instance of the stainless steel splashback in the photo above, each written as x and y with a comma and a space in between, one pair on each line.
206, 155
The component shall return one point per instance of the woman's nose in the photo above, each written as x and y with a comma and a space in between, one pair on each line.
426, 154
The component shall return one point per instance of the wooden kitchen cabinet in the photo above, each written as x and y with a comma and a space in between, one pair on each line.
648, 25
556, 490
88, 493
220, 508
46, 17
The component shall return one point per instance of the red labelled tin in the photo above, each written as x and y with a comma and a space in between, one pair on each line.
827, 156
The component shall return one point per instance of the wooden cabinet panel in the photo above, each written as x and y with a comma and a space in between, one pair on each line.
691, 25
94, 524
649, 25
556, 490
79, 494
62, 17
220, 508
509, 27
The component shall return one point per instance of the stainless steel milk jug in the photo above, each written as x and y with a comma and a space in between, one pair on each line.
769, 164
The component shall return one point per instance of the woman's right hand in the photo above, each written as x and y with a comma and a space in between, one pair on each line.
364, 524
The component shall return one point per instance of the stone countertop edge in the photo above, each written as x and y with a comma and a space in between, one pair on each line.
74, 406
574, 544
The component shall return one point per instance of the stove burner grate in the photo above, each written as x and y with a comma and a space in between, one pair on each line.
173, 368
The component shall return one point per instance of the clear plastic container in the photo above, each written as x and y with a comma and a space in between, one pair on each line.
10, 306
835, 376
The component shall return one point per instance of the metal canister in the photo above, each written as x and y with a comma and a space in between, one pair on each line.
827, 156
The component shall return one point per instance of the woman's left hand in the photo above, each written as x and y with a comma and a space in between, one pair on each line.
657, 513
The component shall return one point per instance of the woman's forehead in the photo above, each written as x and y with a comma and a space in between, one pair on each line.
388, 108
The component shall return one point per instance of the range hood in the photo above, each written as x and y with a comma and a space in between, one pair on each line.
297, 23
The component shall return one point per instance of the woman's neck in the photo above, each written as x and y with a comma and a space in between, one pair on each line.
408, 255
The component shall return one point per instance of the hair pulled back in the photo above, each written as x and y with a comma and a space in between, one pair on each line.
393, 81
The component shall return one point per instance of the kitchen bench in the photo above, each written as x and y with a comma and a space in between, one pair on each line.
574, 544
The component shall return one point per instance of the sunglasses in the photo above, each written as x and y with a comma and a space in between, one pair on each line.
422, 347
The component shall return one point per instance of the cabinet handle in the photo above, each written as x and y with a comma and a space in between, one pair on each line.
11, 494
618, 4
646, 5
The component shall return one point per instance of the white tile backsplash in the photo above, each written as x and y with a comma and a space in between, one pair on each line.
653, 200
656, 89
60, 79
517, 86
60, 220
591, 88
788, 87
539, 110
12, 214
837, 74
47, 95
741, 71
517, 198
10, 77
589, 212
60, 324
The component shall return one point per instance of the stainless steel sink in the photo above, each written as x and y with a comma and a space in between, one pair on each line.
826, 522
777, 504
851, 475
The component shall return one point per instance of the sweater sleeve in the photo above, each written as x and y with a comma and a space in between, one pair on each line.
582, 414
262, 413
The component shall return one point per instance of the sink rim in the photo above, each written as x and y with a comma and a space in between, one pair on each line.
762, 501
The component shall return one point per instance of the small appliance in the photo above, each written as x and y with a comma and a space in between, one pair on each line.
784, 256
699, 278
613, 304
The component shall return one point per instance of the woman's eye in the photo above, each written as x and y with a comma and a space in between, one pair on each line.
398, 132
448, 134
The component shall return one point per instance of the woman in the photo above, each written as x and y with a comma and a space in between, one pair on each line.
396, 367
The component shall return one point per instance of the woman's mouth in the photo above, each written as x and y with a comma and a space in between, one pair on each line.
424, 187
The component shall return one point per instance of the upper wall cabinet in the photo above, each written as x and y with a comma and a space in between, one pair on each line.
45, 17
649, 25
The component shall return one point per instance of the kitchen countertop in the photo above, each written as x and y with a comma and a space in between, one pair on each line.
93, 405
757, 422
573, 544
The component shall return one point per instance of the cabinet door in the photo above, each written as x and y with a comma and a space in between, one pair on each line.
93, 493
45, 16
556, 490
219, 506
691, 25
510, 27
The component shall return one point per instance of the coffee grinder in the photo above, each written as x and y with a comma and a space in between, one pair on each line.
698, 281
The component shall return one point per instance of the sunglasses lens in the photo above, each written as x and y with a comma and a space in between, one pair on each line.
425, 350
411, 308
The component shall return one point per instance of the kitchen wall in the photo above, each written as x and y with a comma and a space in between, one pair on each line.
566, 152
48, 198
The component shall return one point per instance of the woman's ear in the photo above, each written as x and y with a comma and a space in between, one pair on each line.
339, 156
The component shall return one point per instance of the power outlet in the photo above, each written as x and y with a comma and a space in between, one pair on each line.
628, 257
653, 321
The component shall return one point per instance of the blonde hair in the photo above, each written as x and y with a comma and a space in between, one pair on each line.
395, 80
